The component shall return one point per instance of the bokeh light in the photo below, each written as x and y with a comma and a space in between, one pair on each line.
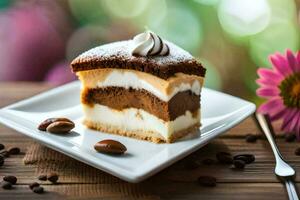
275, 38
125, 8
246, 17
83, 39
248, 75
208, 2
156, 9
230, 36
282, 10
4, 3
213, 77
86, 12
180, 26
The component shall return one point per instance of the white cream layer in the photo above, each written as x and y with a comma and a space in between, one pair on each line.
129, 79
133, 119
163, 89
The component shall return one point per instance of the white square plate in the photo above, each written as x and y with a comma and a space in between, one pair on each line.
220, 112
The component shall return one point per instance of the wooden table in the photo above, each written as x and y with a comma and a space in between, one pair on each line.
256, 181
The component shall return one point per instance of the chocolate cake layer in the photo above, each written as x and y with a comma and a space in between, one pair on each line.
120, 98
163, 72
117, 55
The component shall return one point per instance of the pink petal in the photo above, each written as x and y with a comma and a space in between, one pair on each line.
287, 118
292, 60
298, 59
293, 124
269, 74
268, 92
297, 127
270, 106
280, 64
266, 82
279, 113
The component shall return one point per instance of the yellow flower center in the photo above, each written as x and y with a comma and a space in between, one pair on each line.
295, 91
290, 90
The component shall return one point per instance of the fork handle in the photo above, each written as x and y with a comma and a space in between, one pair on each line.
291, 189
267, 130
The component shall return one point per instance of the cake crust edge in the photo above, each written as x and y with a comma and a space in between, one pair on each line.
146, 135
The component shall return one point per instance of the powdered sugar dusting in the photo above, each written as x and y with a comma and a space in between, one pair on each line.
122, 50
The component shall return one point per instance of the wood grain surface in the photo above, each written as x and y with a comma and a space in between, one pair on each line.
256, 181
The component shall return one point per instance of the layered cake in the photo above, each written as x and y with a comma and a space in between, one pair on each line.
146, 88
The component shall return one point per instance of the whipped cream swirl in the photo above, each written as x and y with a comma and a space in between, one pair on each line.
149, 44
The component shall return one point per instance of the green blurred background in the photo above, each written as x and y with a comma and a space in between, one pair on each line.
232, 38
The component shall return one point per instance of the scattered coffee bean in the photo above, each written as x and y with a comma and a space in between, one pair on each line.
247, 158
207, 181
297, 151
251, 138
239, 164
1, 160
14, 151
42, 177
11, 179
290, 137
43, 126
191, 164
33, 185
38, 190
110, 147
53, 177
224, 157
208, 161
60, 127
2, 146
5, 153
6, 185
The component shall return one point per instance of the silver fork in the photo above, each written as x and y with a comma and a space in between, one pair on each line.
283, 170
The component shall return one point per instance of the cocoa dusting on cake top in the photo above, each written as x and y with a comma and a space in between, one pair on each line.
118, 55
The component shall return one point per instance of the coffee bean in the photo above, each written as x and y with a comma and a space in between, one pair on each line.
224, 157
11, 179
38, 190
251, 138
2, 146
5, 153
239, 164
60, 127
290, 137
6, 185
191, 164
110, 147
34, 184
297, 151
208, 161
14, 151
52, 177
43, 126
207, 181
247, 158
1, 160
42, 177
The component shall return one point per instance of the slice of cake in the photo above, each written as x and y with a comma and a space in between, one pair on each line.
146, 88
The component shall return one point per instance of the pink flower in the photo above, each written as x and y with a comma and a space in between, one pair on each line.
60, 74
280, 86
